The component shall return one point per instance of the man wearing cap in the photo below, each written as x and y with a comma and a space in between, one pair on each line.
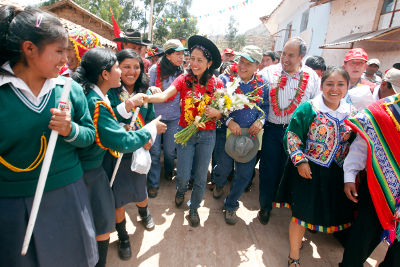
291, 84
132, 39
370, 73
375, 149
229, 55
162, 74
355, 63
245, 127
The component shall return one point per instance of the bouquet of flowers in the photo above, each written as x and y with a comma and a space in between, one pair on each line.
225, 100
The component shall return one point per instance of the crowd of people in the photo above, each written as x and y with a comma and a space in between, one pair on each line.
325, 139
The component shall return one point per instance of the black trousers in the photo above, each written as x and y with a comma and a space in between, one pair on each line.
365, 235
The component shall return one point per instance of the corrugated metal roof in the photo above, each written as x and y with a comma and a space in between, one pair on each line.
361, 36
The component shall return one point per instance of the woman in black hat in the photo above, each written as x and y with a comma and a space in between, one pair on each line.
195, 88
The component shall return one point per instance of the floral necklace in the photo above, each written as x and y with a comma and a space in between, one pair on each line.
189, 106
303, 81
257, 83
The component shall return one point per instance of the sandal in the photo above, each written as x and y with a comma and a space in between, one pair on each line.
291, 261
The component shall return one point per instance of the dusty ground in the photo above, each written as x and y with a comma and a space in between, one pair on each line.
214, 243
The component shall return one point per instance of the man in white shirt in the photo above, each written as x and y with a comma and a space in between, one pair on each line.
291, 84
367, 230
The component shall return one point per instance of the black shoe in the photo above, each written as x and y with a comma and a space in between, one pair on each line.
168, 176
179, 198
194, 218
148, 223
263, 216
124, 250
190, 185
218, 192
152, 192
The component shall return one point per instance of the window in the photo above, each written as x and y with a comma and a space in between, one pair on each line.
390, 14
304, 20
387, 6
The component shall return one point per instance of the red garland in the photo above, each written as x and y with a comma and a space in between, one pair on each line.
234, 69
159, 79
254, 92
295, 101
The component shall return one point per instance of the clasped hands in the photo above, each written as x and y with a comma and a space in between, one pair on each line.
135, 101
254, 129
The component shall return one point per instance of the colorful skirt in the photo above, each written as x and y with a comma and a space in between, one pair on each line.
319, 203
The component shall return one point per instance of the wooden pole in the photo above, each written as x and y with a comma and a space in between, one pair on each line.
151, 21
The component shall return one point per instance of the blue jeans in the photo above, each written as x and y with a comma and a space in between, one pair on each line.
169, 147
197, 153
223, 167
272, 162
219, 155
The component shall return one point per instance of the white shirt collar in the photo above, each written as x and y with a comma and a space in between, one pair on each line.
344, 107
126, 90
97, 90
48, 85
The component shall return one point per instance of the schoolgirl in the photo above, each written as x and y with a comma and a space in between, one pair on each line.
195, 88
129, 186
32, 50
98, 73
317, 141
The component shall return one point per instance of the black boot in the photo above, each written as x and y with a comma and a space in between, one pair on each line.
102, 247
124, 247
147, 220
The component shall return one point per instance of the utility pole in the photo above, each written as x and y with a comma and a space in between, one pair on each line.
151, 21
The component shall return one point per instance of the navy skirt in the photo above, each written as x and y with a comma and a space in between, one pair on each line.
101, 200
128, 186
63, 234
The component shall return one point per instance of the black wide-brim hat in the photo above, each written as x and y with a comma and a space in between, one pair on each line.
131, 36
209, 45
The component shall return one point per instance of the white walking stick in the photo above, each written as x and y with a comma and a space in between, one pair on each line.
134, 116
44, 171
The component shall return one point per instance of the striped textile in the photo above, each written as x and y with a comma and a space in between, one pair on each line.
378, 125
323, 229
273, 73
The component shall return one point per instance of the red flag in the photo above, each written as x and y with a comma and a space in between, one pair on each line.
117, 30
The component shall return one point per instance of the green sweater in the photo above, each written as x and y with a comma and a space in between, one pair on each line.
111, 134
22, 125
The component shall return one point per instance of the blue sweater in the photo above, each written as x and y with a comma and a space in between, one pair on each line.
246, 117
169, 110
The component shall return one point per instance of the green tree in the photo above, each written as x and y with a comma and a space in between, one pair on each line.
164, 30
231, 32
235, 41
